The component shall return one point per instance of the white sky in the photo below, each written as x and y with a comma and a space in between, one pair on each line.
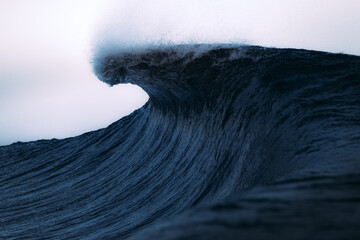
47, 88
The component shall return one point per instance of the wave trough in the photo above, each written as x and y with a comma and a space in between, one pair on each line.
234, 142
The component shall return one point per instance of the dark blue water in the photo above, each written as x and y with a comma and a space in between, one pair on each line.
236, 142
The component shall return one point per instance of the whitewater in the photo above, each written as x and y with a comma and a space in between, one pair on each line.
235, 142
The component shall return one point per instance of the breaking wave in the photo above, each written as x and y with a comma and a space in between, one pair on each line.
234, 142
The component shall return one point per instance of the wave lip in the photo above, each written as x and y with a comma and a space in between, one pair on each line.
234, 141
167, 72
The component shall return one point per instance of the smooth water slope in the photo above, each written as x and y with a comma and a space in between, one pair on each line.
235, 142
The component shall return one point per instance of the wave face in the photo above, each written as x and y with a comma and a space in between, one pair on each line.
234, 142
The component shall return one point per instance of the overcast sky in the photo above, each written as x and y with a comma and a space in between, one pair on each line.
47, 88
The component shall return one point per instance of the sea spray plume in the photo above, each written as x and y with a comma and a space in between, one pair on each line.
326, 25
234, 142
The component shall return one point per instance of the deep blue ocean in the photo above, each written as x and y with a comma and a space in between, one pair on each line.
235, 142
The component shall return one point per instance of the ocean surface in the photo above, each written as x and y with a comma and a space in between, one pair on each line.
235, 142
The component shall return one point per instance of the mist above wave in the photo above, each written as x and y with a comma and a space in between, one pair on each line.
330, 26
